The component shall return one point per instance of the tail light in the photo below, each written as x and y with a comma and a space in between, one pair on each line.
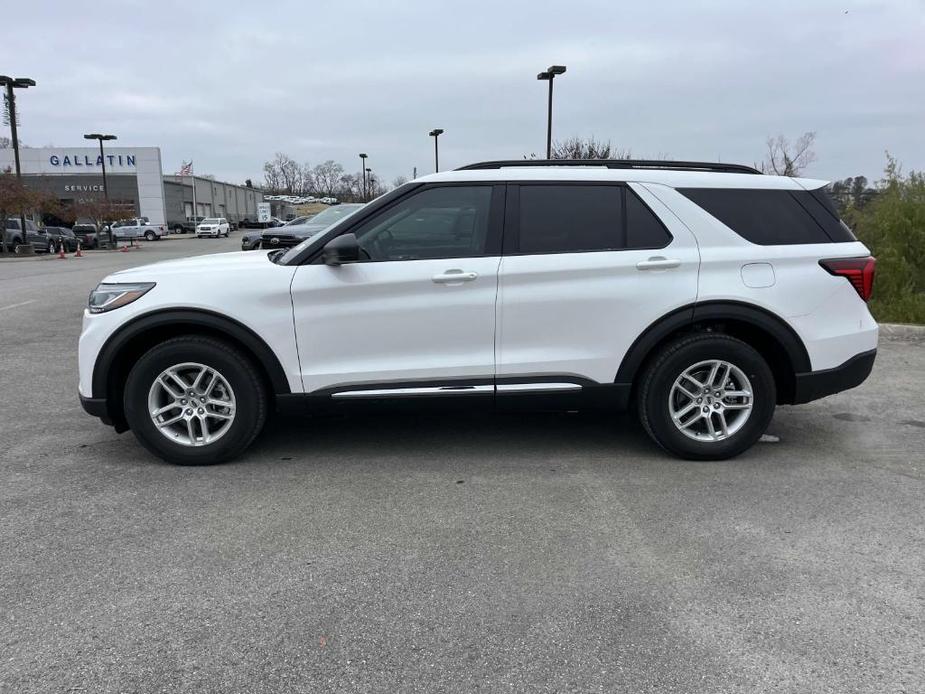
858, 271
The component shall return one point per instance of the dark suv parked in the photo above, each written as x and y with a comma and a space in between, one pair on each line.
87, 234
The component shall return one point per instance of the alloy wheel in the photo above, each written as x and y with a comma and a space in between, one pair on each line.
191, 404
711, 400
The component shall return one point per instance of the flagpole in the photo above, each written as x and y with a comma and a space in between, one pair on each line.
195, 211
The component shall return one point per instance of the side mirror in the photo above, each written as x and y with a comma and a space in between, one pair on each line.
340, 250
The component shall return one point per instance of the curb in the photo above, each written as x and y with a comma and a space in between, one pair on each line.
54, 256
902, 331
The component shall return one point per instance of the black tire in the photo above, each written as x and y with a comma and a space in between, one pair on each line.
178, 229
150, 236
659, 376
51, 247
240, 372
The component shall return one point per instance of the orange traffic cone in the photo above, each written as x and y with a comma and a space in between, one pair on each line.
61, 255
78, 254
124, 249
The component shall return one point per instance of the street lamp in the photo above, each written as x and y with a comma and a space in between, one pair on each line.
369, 181
549, 75
363, 172
435, 133
12, 83
101, 138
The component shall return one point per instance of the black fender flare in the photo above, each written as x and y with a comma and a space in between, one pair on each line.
708, 311
194, 318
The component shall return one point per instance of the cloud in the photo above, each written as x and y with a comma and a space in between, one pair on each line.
229, 85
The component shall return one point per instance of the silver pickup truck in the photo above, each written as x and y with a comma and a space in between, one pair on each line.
138, 228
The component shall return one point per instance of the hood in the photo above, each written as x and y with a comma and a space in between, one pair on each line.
227, 264
298, 230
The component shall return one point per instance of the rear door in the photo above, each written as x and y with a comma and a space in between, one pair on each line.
587, 267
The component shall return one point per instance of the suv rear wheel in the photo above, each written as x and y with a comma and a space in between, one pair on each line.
707, 397
195, 401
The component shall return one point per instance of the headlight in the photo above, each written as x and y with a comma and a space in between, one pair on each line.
107, 297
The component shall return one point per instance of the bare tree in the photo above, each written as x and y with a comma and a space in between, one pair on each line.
349, 188
16, 199
326, 177
283, 174
100, 211
399, 181
5, 142
785, 158
590, 148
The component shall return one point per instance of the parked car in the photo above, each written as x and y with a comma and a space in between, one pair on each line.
36, 237
213, 226
251, 239
57, 235
138, 228
290, 235
88, 235
187, 226
704, 295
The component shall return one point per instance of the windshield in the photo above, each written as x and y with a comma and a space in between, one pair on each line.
341, 212
211, 220
333, 214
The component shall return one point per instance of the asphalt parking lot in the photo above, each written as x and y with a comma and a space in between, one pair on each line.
424, 554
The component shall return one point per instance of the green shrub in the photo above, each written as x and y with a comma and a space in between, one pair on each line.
892, 225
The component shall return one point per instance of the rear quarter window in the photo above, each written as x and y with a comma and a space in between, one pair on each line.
771, 217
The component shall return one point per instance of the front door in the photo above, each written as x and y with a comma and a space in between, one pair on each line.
416, 316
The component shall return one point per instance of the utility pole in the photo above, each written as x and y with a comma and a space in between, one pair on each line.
10, 84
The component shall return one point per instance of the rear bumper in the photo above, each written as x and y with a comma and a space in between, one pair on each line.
817, 384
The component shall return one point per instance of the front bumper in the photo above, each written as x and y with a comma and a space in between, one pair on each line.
96, 407
817, 384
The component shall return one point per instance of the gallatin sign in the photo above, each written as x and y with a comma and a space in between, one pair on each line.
86, 160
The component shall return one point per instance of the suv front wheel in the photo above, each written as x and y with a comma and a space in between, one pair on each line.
195, 401
707, 397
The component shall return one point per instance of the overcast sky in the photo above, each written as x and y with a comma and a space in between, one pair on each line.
229, 83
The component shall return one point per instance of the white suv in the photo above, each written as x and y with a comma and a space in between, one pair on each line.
213, 226
701, 294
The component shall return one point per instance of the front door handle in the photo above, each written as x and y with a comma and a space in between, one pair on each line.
658, 262
455, 277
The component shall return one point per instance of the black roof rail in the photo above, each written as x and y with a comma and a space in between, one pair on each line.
617, 164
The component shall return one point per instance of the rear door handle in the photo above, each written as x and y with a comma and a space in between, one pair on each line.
455, 277
658, 262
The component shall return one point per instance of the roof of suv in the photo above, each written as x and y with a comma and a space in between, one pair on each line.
590, 171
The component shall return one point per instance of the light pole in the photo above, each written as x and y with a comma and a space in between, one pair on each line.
369, 182
101, 138
12, 83
549, 75
363, 172
435, 133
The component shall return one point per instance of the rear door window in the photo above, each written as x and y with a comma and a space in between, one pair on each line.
582, 218
764, 217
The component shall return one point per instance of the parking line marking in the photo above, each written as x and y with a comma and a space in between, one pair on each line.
22, 303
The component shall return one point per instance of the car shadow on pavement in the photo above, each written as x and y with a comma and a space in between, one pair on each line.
425, 440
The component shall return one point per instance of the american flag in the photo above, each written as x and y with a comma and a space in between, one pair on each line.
186, 169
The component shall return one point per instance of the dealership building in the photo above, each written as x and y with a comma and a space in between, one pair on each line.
135, 178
